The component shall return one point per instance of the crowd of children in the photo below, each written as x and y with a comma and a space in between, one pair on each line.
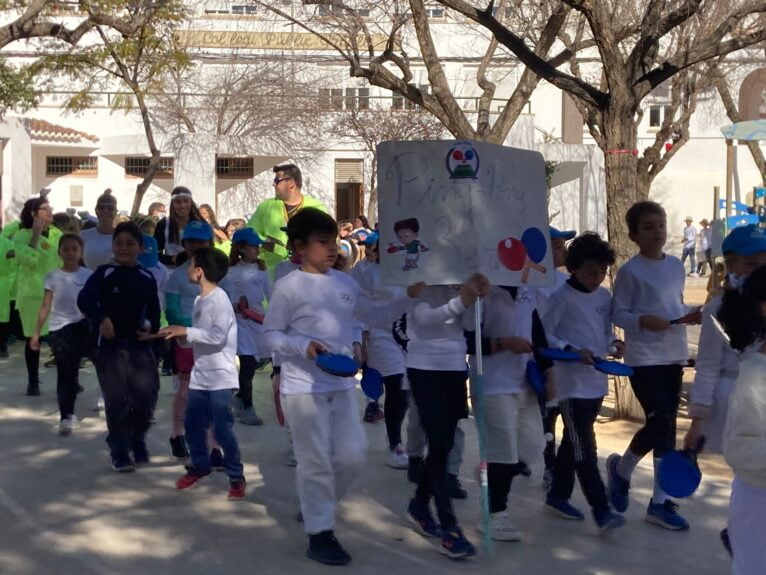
227, 316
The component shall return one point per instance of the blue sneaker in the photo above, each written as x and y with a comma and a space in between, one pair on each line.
420, 516
617, 486
666, 515
455, 545
563, 508
608, 521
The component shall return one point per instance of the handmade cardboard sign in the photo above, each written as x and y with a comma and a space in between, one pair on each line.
449, 209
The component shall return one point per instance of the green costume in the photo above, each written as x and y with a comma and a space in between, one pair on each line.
8, 232
7, 273
33, 265
268, 221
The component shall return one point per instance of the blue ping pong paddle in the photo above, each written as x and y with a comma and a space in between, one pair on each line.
372, 382
558, 354
337, 364
612, 367
534, 240
679, 473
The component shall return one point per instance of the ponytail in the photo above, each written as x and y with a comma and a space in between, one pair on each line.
740, 312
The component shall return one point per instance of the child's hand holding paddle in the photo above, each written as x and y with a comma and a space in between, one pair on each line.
315, 349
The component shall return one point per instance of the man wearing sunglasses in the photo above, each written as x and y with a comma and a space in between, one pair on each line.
272, 215
98, 240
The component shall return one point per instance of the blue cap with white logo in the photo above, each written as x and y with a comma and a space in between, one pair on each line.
149, 257
247, 236
198, 230
744, 241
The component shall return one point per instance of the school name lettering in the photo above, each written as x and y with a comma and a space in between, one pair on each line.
266, 40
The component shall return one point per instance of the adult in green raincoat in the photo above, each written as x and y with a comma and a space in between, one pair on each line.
36, 247
7, 274
272, 215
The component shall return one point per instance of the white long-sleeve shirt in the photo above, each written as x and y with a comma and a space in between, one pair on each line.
307, 307
505, 371
213, 337
745, 433
435, 323
582, 320
248, 281
647, 286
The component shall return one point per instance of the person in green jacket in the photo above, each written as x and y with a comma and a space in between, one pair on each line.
272, 215
36, 247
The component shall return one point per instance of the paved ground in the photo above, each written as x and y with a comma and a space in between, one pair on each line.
64, 511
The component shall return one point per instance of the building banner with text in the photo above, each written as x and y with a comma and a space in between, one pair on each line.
449, 209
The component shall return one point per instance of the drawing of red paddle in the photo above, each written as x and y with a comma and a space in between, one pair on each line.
525, 254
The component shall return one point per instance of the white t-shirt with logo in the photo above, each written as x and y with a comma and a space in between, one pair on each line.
66, 287
98, 248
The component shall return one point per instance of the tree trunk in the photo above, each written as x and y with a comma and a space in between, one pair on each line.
622, 192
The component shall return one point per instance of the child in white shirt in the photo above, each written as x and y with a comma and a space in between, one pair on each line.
69, 330
248, 287
578, 318
311, 311
648, 296
213, 337
744, 446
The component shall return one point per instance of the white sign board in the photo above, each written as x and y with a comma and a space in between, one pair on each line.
449, 209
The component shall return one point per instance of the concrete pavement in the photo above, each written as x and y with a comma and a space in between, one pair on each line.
64, 510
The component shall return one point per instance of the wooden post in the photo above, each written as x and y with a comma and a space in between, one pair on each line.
714, 275
729, 177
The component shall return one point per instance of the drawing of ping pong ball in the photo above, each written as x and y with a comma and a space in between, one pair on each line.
462, 161
458, 155
511, 253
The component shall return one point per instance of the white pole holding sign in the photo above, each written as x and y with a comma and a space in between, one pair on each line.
449, 209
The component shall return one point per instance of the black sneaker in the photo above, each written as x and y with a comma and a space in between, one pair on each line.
178, 447
456, 490
50, 363
373, 412
414, 469
122, 463
324, 548
33, 388
140, 453
216, 459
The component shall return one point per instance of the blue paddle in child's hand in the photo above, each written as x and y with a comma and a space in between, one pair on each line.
679, 474
337, 364
536, 379
372, 382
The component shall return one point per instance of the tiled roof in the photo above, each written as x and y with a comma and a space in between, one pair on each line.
47, 132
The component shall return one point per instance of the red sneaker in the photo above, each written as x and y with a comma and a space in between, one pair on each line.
237, 489
192, 478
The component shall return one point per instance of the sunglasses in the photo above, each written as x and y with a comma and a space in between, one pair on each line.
277, 180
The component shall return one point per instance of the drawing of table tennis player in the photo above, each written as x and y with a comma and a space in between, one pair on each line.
407, 233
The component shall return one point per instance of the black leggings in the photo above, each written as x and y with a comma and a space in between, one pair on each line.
248, 365
658, 390
550, 414
395, 408
69, 345
499, 478
442, 401
32, 359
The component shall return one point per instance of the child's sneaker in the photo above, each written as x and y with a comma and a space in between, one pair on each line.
454, 487
192, 478
237, 489
325, 548
455, 545
67, 424
501, 528
33, 388
248, 417
140, 453
666, 515
608, 521
563, 508
122, 463
178, 447
420, 516
216, 459
617, 486
398, 458
373, 412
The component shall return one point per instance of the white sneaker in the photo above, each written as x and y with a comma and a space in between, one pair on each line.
99, 405
398, 458
501, 528
67, 425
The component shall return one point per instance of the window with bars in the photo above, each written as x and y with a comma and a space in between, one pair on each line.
348, 99
399, 102
71, 166
138, 166
234, 168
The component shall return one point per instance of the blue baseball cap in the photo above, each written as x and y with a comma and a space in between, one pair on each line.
744, 241
198, 230
557, 234
247, 236
370, 239
149, 257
